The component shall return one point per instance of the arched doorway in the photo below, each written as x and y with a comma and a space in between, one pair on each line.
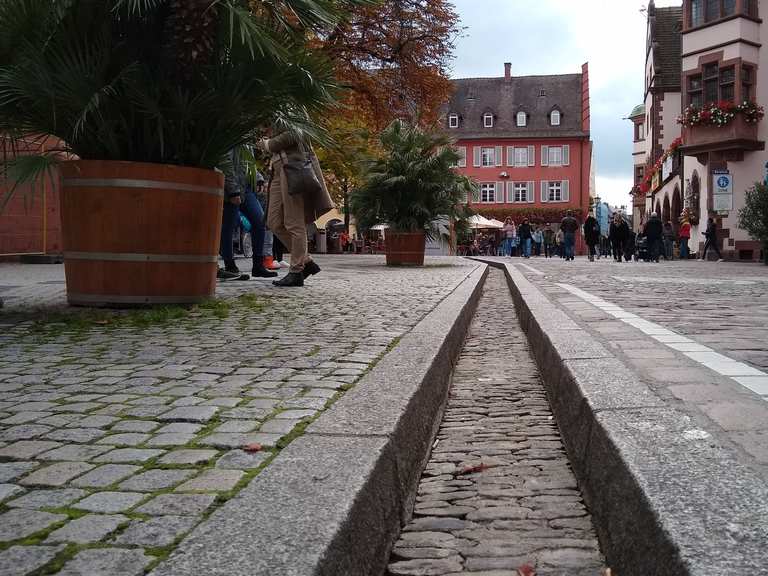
666, 212
677, 207
658, 209
692, 198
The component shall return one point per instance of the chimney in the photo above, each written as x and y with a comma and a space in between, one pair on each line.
507, 71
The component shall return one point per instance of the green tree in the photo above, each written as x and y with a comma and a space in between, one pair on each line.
754, 216
413, 183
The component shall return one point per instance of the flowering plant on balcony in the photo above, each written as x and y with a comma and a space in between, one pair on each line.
721, 113
645, 185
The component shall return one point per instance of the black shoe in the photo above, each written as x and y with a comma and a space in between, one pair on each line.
224, 275
232, 267
290, 279
261, 272
310, 268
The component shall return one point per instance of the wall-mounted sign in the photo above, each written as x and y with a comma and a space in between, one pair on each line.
655, 181
666, 168
722, 191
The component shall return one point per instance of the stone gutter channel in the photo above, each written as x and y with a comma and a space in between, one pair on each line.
665, 499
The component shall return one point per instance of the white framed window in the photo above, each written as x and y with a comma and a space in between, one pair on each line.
521, 156
462, 152
488, 156
522, 119
554, 118
453, 120
520, 190
555, 155
488, 120
554, 191
488, 192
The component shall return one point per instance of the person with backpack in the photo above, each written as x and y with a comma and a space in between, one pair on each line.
549, 241
591, 235
526, 237
654, 231
618, 234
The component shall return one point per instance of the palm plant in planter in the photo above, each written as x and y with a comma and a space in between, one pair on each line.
412, 185
146, 98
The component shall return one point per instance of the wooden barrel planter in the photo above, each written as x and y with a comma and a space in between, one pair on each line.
405, 248
139, 234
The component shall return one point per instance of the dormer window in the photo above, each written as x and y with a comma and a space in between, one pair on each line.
488, 120
453, 120
554, 118
522, 119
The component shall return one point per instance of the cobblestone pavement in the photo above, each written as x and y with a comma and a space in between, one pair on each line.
717, 313
523, 506
117, 439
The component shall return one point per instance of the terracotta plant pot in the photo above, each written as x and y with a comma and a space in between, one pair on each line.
138, 234
405, 248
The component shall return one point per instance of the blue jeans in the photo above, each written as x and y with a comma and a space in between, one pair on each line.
527, 247
508, 246
569, 239
252, 210
683, 248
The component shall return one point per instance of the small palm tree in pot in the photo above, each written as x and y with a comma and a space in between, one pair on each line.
409, 188
146, 98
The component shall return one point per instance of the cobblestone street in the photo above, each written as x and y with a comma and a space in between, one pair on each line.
116, 440
498, 492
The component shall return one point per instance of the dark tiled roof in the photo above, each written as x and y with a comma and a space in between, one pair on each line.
667, 46
473, 97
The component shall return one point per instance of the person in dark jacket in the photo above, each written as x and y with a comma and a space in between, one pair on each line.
711, 240
569, 225
591, 235
654, 231
525, 234
618, 234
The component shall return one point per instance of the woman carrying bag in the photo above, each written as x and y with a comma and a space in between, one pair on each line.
297, 197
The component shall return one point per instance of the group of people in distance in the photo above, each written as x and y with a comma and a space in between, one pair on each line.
533, 239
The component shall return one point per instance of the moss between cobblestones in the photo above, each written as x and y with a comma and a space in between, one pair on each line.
77, 323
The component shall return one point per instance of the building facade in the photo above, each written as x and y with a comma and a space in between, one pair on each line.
525, 141
721, 148
655, 128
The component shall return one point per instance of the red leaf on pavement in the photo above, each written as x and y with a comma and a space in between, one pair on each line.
474, 468
526, 570
255, 447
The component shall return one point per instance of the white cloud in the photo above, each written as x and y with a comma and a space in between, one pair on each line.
614, 190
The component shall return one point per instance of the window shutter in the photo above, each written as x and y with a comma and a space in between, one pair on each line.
510, 155
531, 155
544, 191
531, 191
476, 193
499, 155
462, 151
566, 192
545, 155
510, 192
476, 156
566, 155
499, 192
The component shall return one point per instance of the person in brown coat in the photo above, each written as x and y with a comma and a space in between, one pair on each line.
289, 213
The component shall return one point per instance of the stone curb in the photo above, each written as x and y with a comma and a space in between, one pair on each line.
666, 498
334, 500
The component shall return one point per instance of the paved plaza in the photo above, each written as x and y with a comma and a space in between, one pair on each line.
117, 440
696, 332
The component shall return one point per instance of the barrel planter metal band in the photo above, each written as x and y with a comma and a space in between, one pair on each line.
137, 233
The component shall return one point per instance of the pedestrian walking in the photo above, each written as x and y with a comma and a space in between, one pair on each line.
711, 240
549, 241
685, 236
654, 231
560, 243
569, 225
510, 232
538, 241
669, 240
526, 236
235, 182
591, 235
295, 201
617, 235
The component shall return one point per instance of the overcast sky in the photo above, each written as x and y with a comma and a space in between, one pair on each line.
557, 37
